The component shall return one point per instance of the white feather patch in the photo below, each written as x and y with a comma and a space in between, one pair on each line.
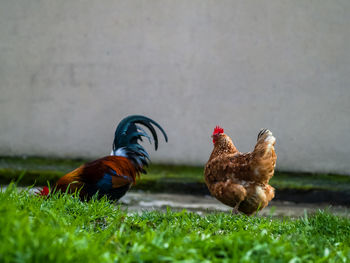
260, 192
120, 152
270, 139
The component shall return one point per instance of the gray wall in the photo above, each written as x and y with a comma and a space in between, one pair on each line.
70, 70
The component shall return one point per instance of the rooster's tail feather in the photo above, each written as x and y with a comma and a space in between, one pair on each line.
127, 135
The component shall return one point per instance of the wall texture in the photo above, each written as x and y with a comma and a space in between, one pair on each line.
70, 70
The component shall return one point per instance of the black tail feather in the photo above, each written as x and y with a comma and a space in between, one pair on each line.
128, 134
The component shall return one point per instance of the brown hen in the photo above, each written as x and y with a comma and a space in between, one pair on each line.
240, 180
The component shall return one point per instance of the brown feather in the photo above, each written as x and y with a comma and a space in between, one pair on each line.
92, 172
239, 179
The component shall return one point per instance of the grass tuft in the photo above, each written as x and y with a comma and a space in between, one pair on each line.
64, 229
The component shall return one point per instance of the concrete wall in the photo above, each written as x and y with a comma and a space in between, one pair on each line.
70, 70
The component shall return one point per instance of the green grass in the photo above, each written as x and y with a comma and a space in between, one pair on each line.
63, 229
41, 170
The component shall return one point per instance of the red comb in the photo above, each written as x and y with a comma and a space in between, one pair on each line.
218, 130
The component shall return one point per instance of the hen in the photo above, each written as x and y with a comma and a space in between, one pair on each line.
112, 176
240, 180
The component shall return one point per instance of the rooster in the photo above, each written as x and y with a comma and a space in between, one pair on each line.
112, 176
240, 180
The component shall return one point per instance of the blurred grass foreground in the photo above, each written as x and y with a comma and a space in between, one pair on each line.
63, 229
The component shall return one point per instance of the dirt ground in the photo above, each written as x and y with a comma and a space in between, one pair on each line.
140, 201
